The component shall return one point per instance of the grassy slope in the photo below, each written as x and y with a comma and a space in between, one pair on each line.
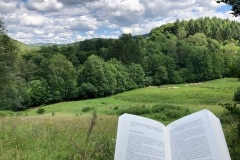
24, 48
194, 96
62, 136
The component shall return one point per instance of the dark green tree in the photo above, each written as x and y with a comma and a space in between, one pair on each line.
181, 33
10, 93
160, 76
37, 93
137, 74
61, 78
122, 75
126, 50
111, 82
2, 26
97, 76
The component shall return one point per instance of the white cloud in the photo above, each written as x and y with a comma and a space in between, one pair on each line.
66, 21
7, 7
83, 23
125, 12
32, 20
44, 5
75, 2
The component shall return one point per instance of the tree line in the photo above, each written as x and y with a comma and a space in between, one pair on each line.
180, 52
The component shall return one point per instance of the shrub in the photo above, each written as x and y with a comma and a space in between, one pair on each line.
41, 111
169, 112
236, 96
87, 109
231, 119
137, 110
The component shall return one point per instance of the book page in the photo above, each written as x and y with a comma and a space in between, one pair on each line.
192, 138
218, 132
139, 138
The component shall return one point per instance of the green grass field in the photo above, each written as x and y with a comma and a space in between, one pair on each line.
61, 132
195, 96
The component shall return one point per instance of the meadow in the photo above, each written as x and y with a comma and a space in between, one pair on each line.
71, 130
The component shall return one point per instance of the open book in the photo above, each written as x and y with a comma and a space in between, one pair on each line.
198, 136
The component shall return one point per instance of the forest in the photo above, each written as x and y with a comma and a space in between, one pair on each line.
180, 52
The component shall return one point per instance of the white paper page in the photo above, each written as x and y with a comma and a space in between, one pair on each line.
192, 138
220, 138
139, 138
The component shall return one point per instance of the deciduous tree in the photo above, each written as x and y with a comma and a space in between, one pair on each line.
9, 92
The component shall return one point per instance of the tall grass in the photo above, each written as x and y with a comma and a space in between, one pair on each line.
56, 137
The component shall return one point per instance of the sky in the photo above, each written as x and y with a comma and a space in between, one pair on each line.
68, 21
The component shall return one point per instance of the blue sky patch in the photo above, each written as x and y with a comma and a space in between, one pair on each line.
224, 8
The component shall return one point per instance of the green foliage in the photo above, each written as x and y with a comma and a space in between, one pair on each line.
122, 75
137, 74
236, 96
126, 50
62, 78
136, 110
161, 76
2, 26
237, 68
41, 110
10, 92
37, 93
232, 131
87, 90
96, 76
87, 109
161, 112
168, 112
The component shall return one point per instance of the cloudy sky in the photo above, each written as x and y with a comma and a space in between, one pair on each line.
67, 21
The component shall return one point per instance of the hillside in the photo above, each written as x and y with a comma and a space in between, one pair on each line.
23, 48
177, 53
194, 96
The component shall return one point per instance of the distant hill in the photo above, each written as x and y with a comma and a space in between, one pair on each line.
23, 48
44, 44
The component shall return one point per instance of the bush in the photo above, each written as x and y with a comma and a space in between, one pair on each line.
137, 110
87, 90
164, 112
236, 96
87, 109
231, 119
169, 112
41, 111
